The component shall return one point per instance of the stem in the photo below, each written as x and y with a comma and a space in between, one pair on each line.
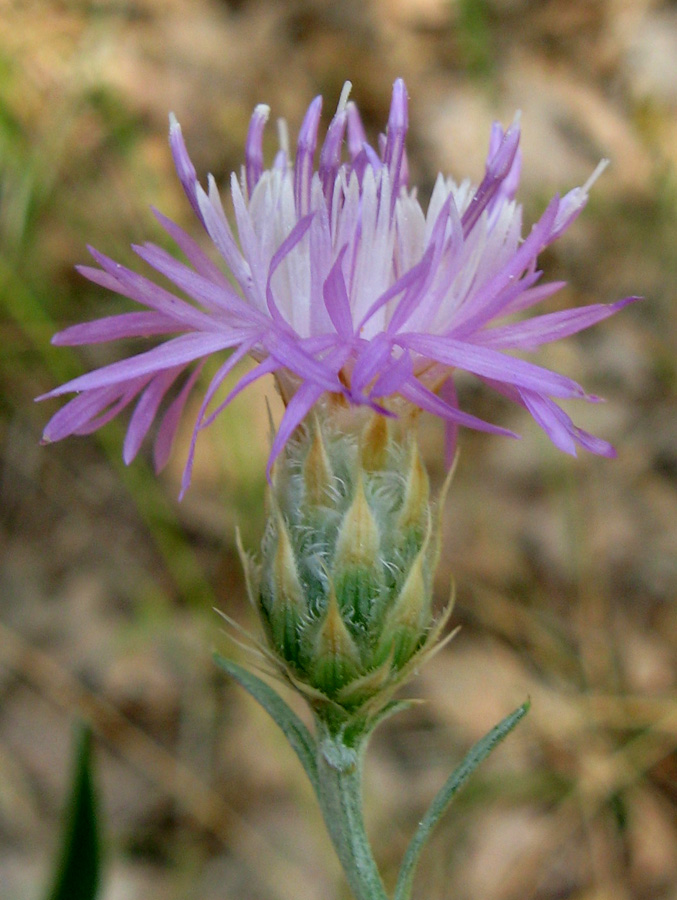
339, 769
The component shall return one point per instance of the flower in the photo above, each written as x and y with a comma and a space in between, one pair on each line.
341, 286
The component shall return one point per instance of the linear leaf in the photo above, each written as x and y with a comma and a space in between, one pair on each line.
294, 730
438, 807
77, 874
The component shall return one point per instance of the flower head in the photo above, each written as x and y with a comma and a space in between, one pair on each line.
342, 286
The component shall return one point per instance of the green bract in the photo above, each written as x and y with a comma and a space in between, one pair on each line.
344, 587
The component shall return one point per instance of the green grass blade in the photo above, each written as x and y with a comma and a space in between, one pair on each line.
78, 870
438, 807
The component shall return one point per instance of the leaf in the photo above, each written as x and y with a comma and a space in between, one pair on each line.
77, 873
294, 730
362, 728
445, 795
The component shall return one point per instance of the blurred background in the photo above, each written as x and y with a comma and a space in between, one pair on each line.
566, 569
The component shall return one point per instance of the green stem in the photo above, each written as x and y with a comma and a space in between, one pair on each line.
339, 768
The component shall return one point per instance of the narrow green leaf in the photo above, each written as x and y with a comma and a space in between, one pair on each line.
294, 730
438, 807
390, 709
361, 727
77, 873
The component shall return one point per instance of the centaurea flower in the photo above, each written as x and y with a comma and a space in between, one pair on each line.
341, 286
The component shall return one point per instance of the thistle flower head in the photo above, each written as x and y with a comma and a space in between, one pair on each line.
344, 587
342, 285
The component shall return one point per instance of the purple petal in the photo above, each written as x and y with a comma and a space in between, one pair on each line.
418, 394
502, 302
253, 148
525, 299
561, 430
498, 168
330, 155
191, 249
251, 247
114, 328
551, 419
146, 410
297, 409
200, 422
176, 352
170, 421
321, 256
489, 303
336, 299
305, 152
414, 276
184, 167
510, 182
549, 415
130, 284
75, 417
593, 444
392, 378
371, 360
490, 364
574, 202
219, 231
413, 296
265, 368
293, 238
532, 333
289, 352
218, 380
215, 297
447, 237
398, 123
357, 136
